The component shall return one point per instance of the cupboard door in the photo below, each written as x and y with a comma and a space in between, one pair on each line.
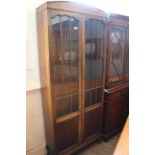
93, 56
65, 66
117, 52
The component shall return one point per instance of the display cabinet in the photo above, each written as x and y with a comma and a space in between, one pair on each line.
116, 100
72, 43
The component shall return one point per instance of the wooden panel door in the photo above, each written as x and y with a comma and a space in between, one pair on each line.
93, 74
65, 72
117, 52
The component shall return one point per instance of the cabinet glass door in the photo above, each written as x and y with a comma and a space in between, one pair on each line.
117, 42
65, 53
94, 65
127, 57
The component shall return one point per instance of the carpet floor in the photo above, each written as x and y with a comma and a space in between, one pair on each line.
100, 147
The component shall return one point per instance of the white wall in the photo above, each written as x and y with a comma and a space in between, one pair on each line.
35, 132
32, 71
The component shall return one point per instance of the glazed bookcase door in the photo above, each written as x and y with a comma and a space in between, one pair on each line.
65, 73
93, 62
117, 52
127, 57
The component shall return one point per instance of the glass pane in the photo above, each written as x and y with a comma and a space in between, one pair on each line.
65, 27
59, 108
100, 55
117, 45
94, 53
88, 52
87, 98
67, 105
93, 96
127, 61
75, 101
66, 54
99, 95
74, 54
57, 69
127, 68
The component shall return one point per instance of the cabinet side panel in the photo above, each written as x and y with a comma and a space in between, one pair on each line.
42, 28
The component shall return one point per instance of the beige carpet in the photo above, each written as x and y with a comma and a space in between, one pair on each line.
100, 147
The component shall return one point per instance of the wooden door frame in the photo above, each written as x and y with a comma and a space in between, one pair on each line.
93, 107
